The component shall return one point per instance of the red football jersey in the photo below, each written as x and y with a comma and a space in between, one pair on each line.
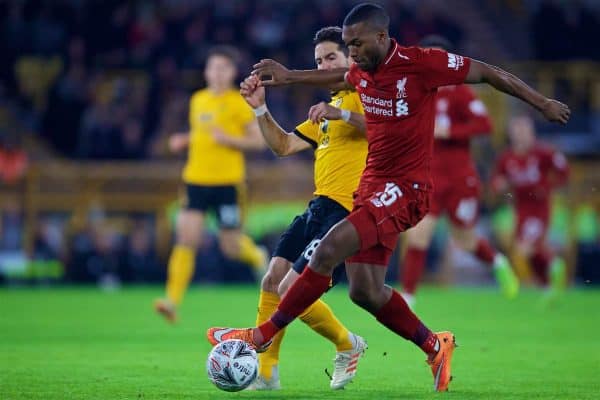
533, 175
465, 116
399, 103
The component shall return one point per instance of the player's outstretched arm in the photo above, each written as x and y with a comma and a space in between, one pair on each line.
279, 141
272, 73
322, 111
179, 141
553, 110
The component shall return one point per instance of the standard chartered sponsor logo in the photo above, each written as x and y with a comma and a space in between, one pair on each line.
376, 100
384, 107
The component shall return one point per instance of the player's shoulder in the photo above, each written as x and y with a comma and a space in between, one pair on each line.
405, 55
200, 94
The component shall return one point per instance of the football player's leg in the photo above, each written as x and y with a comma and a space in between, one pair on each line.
418, 240
268, 301
320, 318
341, 241
182, 261
368, 290
233, 242
468, 239
238, 246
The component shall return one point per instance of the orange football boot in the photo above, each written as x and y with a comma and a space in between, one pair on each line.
218, 335
440, 363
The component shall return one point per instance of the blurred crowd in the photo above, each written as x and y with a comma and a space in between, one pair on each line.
110, 79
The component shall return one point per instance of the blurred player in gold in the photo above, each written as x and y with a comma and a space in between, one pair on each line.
222, 128
336, 134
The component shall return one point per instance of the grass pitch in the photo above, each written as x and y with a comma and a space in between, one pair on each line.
74, 343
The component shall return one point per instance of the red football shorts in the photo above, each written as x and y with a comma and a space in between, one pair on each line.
458, 198
381, 211
532, 224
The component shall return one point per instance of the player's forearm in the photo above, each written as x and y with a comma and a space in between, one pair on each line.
505, 82
322, 78
245, 144
275, 136
357, 120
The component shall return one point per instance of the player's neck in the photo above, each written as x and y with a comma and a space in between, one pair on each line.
218, 90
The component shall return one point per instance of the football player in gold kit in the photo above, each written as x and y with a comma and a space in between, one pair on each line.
336, 134
222, 128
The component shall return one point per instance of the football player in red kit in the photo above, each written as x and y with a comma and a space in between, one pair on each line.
397, 87
531, 171
460, 116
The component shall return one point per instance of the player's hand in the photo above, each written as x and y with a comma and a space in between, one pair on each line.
321, 111
277, 73
252, 92
178, 142
555, 111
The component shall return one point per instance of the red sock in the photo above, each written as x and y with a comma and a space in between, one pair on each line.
414, 263
397, 316
306, 290
540, 263
484, 251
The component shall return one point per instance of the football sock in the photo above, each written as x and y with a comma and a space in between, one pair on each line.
250, 253
540, 263
484, 251
397, 316
321, 319
414, 263
267, 304
180, 272
305, 291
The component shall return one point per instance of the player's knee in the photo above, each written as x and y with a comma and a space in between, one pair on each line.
323, 259
229, 248
272, 279
283, 287
362, 296
189, 238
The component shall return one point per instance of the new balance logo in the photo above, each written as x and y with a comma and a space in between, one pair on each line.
455, 61
363, 83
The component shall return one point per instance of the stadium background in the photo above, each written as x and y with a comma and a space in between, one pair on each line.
90, 91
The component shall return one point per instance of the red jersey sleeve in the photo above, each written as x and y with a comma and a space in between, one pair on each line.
440, 68
351, 76
474, 119
558, 167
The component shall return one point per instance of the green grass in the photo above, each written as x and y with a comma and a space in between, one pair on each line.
88, 344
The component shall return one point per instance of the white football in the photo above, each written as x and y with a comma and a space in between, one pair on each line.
232, 365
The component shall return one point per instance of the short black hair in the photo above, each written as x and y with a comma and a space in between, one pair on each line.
228, 52
436, 41
331, 34
373, 14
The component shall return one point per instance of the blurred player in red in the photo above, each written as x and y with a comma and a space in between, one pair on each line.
397, 87
460, 116
531, 171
